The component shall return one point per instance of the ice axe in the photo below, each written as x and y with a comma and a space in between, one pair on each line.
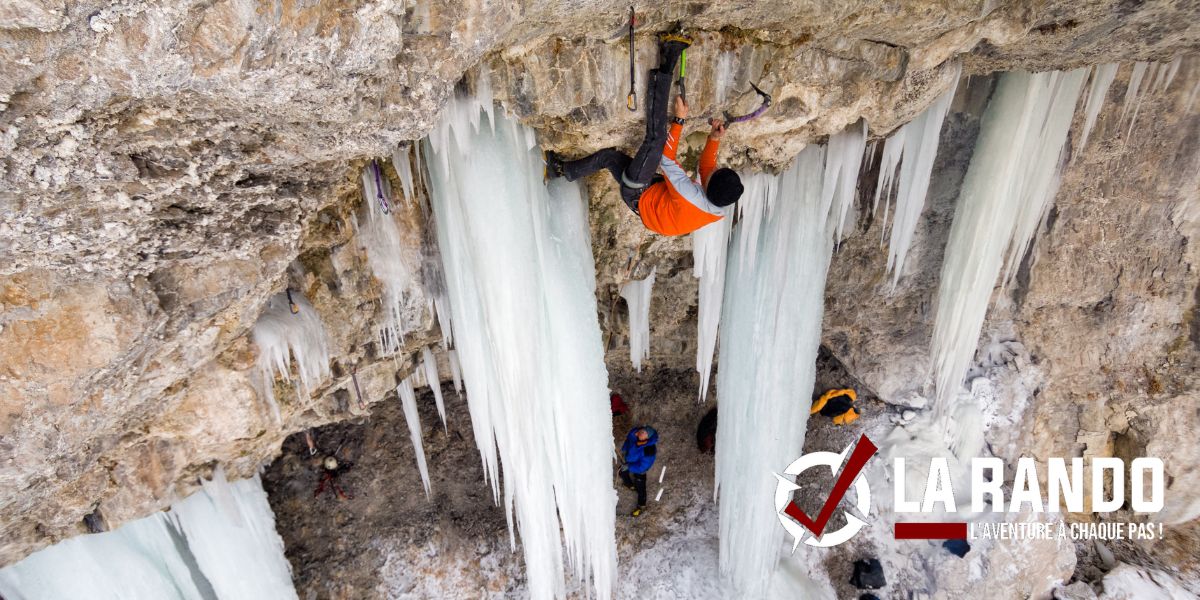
762, 108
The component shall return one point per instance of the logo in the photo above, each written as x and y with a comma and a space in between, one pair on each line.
988, 498
812, 531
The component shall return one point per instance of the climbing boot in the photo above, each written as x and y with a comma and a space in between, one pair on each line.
637, 512
553, 166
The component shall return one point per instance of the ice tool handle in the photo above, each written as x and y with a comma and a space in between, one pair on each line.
762, 108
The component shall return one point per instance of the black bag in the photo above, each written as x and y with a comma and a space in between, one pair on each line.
868, 574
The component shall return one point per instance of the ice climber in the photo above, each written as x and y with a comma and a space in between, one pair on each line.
837, 405
639, 450
671, 204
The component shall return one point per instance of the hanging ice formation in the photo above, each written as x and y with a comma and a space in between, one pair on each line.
393, 260
770, 331
637, 298
917, 143
429, 365
217, 543
710, 246
408, 401
520, 277
1147, 77
1009, 187
281, 335
1102, 78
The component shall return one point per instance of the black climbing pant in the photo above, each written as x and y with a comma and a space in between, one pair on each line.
638, 481
640, 169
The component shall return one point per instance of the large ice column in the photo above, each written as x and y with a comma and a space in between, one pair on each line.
282, 335
230, 529
710, 247
1009, 187
917, 143
218, 543
637, 298
521, 282
770, 332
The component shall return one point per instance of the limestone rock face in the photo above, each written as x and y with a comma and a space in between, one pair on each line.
167, 167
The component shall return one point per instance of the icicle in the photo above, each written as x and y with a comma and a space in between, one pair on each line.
434, 381
1009, 186
408, 401
403, 166
1172, 71
1133, 93
1102, 78
280, 336
395, 263
202, 549
843, 159
710, 245
770, 332
916, 142
455, 370
1135, 81
520, 277
637, 298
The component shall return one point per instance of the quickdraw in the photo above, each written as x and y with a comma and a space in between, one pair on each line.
295, 308
383, 202
357, 391
631, 98
766, 102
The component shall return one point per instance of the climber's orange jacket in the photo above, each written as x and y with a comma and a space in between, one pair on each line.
677, 205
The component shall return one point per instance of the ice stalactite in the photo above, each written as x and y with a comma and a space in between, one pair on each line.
770, 333
710, 246
843, 160
408, 401
637, 298
1009, 187
403, 164
1102, 78
455, 370
218, 543
520, 276
282, 335
917, 143
429, 364
393, 260
1146, 78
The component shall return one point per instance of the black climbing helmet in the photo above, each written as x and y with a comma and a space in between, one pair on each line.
724, 187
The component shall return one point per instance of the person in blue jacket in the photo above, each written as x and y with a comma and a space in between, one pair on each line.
639, 451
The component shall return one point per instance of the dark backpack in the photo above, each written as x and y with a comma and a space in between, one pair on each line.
868, 574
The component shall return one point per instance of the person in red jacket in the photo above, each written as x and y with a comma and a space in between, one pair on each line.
673, 204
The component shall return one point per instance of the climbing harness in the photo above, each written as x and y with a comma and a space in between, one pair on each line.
631, 98
295, 308
383, 203
766, 102
682, 74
